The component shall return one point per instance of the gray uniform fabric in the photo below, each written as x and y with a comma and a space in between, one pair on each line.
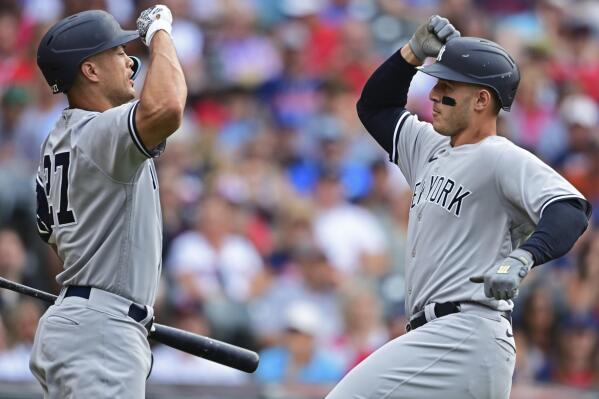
471, 206
115, 240
90, 348
98, 204
466, 355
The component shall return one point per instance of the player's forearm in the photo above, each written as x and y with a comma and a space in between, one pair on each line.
384, 98
388, 86
164, 93
562, 223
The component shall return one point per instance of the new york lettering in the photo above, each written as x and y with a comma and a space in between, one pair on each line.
442, 191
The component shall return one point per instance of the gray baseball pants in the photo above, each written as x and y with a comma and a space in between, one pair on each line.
466, 355
90, 348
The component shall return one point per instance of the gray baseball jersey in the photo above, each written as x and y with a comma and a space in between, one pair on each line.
98, 202
471, 206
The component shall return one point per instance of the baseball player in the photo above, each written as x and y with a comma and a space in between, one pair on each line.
483, 211
98, 204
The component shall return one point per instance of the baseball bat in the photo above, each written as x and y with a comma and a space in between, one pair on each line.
195, 344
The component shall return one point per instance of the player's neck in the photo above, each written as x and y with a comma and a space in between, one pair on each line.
475, 132
88, 101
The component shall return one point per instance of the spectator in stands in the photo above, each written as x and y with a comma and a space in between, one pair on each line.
582, 292
245, 56
389, 200
212, 266
364, 330
13, 260
22, 323
349, 234
299, 359
581, 117
312, 280
14, 67
14, 102
537, 333
564, 144
576, 363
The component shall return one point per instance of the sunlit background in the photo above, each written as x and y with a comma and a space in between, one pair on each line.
284, 226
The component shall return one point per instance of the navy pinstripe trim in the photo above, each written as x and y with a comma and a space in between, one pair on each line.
402, 118
43, 229
133, 131
562, 197
39, 181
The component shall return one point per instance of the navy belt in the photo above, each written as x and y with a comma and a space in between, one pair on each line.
444, 309
136, 312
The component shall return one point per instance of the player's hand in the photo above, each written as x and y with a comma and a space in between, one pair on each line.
153, 19
430, 37
503, 280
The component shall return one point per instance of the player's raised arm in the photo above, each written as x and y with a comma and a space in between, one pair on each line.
164, 93
385, 94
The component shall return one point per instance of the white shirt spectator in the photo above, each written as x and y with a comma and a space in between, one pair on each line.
269, 312
175, 367
346, 233
225, 271
189, 41
14, 364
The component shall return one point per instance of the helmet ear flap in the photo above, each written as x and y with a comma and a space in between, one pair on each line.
136, 67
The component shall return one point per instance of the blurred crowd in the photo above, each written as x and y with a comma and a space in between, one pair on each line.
284, 224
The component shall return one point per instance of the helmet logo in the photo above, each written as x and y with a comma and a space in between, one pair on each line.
441, 53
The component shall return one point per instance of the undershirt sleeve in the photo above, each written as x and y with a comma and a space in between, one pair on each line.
558, 229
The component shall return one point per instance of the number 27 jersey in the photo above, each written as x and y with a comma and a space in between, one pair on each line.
98, 202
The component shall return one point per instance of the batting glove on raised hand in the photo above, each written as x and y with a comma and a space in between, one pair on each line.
153, 19
503, 280
430, 37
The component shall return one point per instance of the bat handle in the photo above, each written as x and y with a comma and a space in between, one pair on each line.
207, 348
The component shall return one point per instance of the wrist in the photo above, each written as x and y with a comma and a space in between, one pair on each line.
158, 26
524, 257
159, 36
409, 56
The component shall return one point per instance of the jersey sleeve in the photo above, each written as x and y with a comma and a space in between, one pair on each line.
529, 184
111, 141
414, 143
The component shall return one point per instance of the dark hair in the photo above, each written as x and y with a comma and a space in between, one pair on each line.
496, 102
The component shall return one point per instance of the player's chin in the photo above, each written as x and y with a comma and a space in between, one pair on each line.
442, 128
130, 93
437, 125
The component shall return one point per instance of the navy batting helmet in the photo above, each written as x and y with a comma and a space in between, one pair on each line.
73, 39
478, 61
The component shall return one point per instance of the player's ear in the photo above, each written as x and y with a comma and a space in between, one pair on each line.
483, 100
89, 70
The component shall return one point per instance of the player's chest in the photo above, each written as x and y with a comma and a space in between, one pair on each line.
449, 184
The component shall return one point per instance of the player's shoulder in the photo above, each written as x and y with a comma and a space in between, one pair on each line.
76, 120
508, 158
107, 118
507, 150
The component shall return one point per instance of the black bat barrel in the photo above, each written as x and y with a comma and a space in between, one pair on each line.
211, 349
